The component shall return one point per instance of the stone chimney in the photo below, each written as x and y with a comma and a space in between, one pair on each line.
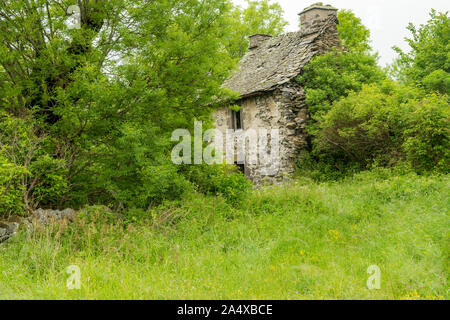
313, 17
257, 40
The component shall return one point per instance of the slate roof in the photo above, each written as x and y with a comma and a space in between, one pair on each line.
273, 63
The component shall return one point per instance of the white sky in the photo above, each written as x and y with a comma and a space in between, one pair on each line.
386, 19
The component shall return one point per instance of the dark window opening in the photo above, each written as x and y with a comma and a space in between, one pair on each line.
237, 120
241, 167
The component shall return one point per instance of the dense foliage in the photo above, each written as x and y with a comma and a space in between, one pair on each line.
427, 64
334, 75
360, 118
88, 111
385, 124
331, 76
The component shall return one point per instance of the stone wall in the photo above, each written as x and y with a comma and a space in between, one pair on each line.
38, 218
283, 109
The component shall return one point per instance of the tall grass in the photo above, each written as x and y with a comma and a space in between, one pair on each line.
301, 241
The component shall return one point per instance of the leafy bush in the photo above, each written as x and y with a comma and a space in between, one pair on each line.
233, 186
329, 77
11, 187
427, 142
321, 166
438, 80
28, 171
385, 124
335, 74
162, 183
102, 127
51, 184
221, 180
136, 173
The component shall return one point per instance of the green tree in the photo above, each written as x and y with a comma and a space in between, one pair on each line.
354, 35
331, 76
258, 17
334, 75
427, 64
105, 97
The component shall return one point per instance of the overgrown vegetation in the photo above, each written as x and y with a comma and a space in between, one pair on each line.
86, 116
428, 63
87, 113
303, 241
361, 118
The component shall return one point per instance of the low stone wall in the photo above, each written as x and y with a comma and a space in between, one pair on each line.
40, 217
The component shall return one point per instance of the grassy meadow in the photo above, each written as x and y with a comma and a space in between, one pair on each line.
305, 240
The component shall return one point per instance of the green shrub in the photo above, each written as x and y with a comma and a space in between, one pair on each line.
324, 167
51, 182
386, 124
355, 36
329, 77
438, 80
11, 187
221, 180
28, 171
233, 186
427, 144
162, 183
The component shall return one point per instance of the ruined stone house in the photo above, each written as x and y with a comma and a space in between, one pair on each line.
270, 96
